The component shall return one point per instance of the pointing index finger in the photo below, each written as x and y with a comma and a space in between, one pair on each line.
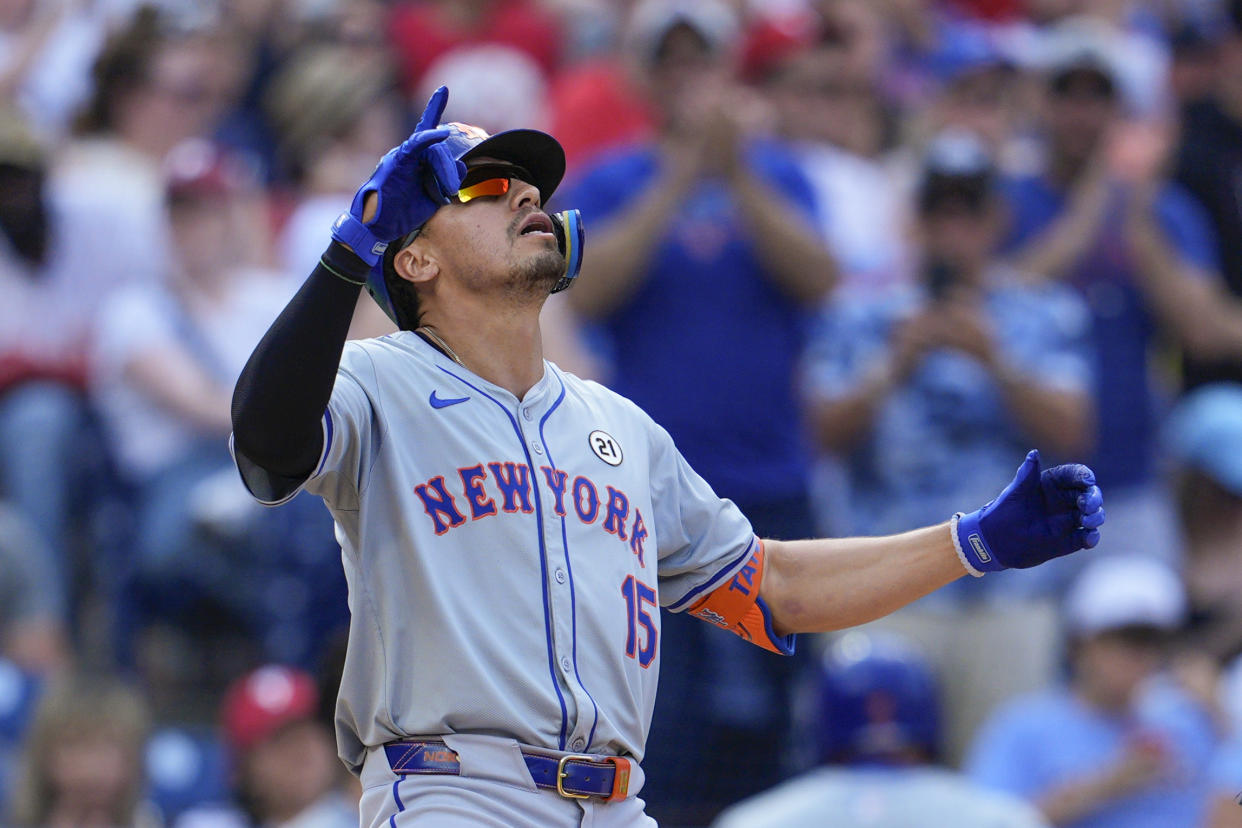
435, 108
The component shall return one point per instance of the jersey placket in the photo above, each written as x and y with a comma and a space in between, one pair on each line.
560, 586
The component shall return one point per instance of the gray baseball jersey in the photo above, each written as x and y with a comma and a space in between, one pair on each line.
506, 559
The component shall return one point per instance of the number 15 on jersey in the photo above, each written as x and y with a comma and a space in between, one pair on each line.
638, 597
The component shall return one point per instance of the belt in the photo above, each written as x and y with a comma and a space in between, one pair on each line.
576, 776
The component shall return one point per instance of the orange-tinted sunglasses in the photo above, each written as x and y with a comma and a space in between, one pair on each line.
489, 180
486, 187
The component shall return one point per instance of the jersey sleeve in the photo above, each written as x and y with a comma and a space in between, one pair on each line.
351, 437
710, 562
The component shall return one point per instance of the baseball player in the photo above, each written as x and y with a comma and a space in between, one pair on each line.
509, 532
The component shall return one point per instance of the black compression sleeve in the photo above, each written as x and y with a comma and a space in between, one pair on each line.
285, 386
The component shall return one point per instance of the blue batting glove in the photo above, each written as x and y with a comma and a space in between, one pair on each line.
411, 182
1038, 517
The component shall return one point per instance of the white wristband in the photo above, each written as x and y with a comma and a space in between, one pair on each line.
957, 547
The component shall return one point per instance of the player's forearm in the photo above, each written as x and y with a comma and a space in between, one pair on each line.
789, 249
833, 583
282, 393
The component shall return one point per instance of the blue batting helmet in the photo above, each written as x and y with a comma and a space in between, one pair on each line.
878, 701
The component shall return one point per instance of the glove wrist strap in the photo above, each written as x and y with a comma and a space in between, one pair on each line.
350, 231
972, 552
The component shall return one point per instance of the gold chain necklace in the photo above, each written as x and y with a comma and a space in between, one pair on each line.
431, 334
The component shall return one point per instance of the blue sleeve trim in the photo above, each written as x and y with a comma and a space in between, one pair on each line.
327, 441
716, 580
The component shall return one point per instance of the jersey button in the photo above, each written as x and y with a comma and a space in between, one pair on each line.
526, 413
578, 744
565, 663
560, 576
537, 447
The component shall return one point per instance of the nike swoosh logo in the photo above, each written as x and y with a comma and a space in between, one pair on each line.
436, 402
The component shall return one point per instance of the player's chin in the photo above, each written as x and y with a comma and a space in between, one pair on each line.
539, 272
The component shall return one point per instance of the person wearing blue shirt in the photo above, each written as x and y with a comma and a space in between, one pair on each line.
703, 264
1122, 745
1141, 252
967, 366
879, 744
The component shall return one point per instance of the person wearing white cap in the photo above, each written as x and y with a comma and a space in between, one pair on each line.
1203, 434
1121, 745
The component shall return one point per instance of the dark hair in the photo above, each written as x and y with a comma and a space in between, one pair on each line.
973, 192
124, 65
402, 292
1087, 73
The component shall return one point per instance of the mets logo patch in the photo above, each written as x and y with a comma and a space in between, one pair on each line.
605, 447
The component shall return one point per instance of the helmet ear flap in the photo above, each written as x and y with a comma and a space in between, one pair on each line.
570, 236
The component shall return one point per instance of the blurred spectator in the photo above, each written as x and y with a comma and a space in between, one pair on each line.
703, 265
82, 760
1195, 59
166, 359
1224, 809
969, 368
879, 745
424, 32
33, 633
263, 37
1140, 251
187, 767
596, 102
1118, 34
832, 114
1204, 434
46, 51
285, 769
495, 87
19, 693
334, 115
1209, 165
45, 313
980, 90
1121, 745
149, 93
929, 395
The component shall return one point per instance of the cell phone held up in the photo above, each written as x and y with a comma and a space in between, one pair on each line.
940, 278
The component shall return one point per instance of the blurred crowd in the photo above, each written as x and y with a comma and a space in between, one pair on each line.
857, 256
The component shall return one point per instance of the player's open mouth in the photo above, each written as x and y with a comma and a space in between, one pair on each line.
538, 223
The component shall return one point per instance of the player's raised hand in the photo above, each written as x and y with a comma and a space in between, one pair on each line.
410, 183
1039, 516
